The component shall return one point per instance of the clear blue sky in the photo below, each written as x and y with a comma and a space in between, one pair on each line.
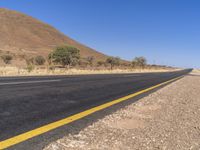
164, 31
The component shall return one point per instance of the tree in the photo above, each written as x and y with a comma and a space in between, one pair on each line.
134, 63
65, 55
113, 61
139, 62
39, 60
7, 58
90, 60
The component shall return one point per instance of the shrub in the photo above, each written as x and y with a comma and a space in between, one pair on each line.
30, 64
30, 68
6, 58
39, 60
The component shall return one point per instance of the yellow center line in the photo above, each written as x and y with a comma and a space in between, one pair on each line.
38, 131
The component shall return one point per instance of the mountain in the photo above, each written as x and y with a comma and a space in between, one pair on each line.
23, 35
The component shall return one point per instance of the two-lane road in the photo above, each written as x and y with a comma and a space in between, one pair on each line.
27, 103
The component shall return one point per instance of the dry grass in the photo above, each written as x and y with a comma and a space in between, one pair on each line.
196, 71
14, 71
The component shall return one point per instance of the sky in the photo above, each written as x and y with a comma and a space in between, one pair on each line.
166, 32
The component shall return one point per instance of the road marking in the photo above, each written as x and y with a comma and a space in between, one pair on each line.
27, 82
41, 130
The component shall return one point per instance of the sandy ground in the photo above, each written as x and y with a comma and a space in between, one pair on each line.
14, 71
168, 119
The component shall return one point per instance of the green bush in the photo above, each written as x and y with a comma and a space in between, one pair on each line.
65, 56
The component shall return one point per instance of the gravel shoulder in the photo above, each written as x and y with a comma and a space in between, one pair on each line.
166, 119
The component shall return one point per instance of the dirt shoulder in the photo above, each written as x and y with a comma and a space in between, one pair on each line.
166, 119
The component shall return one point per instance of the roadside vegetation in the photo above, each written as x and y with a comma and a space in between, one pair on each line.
113, 61
68, 57
7, 58
39, 60
139, 62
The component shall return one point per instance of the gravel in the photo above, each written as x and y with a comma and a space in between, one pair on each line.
167, 119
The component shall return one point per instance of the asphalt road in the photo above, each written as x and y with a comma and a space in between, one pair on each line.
27, 103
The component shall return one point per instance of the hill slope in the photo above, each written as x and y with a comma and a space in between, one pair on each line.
23, 35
